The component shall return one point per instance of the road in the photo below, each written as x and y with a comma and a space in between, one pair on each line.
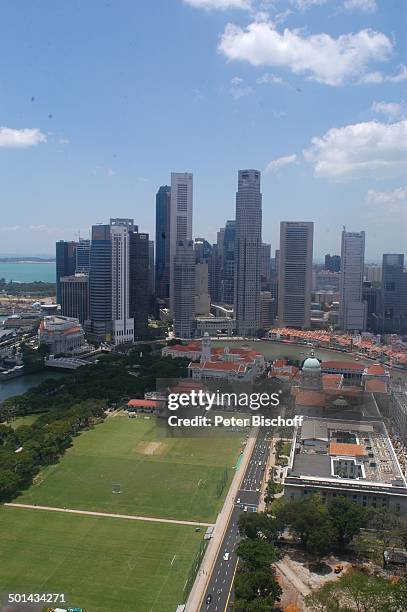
220, 585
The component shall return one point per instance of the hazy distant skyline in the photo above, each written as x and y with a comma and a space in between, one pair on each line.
101, 101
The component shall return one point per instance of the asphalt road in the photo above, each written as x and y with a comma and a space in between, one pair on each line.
220, 586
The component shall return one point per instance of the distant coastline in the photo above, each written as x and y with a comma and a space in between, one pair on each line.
26, 260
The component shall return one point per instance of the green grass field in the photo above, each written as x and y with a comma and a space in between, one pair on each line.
101, 564
160, 476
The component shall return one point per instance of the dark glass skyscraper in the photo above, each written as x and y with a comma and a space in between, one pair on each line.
82, 256
248, 253
394, 295
140, 289
65, 258
228, 262
162, 242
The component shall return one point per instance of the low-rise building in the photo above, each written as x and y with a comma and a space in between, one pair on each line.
353, 459
61, 334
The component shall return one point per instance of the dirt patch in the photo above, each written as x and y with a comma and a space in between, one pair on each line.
151, 448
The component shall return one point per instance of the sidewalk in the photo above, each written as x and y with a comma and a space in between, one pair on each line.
194, 600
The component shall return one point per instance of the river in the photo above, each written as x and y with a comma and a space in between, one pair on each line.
271, 350
21, 384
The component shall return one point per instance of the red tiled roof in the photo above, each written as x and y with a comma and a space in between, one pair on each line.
375, 385
351, 450
331, 381
310, 398
376, 369
144, 403
219, 365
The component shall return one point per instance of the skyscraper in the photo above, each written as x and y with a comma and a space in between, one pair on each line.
82, 256
248, 253
139, 283
162, 242
180, 219
184, 289
99, 325
75, 296
226, 246
123, 324
352, 309
65, 262
295, 274
394, 295
265, 272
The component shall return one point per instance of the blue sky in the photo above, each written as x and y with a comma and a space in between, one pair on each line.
101, 100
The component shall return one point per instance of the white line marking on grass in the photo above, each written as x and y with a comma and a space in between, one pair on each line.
130, 517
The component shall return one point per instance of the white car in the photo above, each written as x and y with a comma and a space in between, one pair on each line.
226, 556
245, 509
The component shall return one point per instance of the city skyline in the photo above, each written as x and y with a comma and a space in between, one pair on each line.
328, 126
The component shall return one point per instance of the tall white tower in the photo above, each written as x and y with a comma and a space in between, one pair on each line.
205, 348
180, 218
122, 323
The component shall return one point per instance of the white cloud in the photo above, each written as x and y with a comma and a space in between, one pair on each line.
369, 6
389, 109
238, 89
219, 4
391, 201
276, 164
268, 78
363, 149
377, 78
20, 139
304, 5
321, 57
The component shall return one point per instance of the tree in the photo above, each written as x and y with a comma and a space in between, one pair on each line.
309, 519
362, 592
259, 525
256, 554
347, 518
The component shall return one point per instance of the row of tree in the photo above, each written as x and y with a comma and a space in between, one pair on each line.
256, 587
26, 449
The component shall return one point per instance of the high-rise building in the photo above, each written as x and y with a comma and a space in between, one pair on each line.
151, 268
65, 262
352, 308
202, 299
75, 296
228, 237
265, 273
267, 309
295, 274
248, 253
162, 242
184, 289
394, 295
180, 219
332, 262
99, 325
122, 323
139, 283
82, 256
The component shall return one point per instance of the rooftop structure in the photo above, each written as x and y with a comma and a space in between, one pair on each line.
349, 458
